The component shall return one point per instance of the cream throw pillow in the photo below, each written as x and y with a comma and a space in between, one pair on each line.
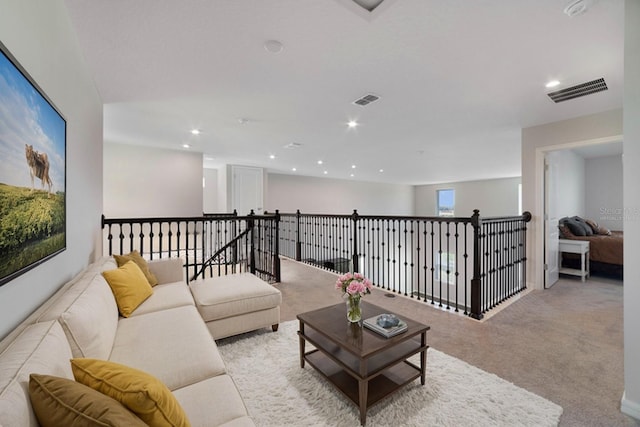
129, 286
143, 394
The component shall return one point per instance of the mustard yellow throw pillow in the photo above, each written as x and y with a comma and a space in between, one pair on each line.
143, 394
141, 262
129, 286
63, 402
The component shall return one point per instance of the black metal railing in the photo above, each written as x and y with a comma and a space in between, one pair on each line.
467, 264
211, 245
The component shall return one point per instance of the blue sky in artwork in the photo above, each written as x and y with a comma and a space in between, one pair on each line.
27, 118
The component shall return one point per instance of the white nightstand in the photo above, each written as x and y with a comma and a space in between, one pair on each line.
576, 247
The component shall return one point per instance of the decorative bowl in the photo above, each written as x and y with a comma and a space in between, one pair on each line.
387, 320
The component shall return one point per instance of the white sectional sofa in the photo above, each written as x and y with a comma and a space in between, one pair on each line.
165, 337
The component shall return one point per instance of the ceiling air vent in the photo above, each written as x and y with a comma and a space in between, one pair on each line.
366, 100
579, 90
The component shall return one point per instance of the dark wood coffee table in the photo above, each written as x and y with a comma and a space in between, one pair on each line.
363, 365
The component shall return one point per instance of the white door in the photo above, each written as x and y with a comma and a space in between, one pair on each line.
551, 232
247, 189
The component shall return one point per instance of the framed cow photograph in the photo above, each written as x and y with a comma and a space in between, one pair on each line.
32, 172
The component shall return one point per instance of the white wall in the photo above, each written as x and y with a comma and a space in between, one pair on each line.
570, 183
151, 182
210, 191
493, 197
603, 191
39, 35
336, 196
631, 178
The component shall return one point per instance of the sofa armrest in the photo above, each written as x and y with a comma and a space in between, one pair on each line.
167, 270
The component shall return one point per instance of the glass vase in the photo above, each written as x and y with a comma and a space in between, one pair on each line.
354, 312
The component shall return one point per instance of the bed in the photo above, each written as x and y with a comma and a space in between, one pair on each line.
605, 246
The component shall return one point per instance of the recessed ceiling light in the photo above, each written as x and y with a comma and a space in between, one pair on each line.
294, 169
353, 166
381, 170
552, 83
272, 156
325, 172
319, 162
195, 131
186, 146
352, 123
273, 46
352, 175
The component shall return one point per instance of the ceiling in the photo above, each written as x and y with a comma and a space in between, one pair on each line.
457, 80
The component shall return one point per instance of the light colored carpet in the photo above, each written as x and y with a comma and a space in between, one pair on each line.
266, 368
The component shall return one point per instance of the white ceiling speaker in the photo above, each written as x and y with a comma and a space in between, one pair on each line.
576, 7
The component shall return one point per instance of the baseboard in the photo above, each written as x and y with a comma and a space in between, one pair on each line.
629, 407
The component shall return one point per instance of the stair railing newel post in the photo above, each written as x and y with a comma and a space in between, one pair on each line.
298, 242
476, 283
276, 249
354, 256
526, 217
252, 253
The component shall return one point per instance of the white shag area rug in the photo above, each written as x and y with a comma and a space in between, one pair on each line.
266, 369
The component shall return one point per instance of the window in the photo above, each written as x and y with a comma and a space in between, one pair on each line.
445, 262
446, 202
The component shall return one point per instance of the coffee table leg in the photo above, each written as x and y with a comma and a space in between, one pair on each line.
302, 342
423, 358
363, 389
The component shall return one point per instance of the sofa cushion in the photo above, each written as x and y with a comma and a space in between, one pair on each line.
168, 295
91, 321
129, 286
220, 393
168, 270
173, 345
140, 392
40, 348
234, 294
63, 402
140, 262
61, 300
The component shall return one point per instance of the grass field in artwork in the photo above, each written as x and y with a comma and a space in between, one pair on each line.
32, 226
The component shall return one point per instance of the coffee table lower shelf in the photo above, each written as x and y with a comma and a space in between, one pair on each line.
379, 387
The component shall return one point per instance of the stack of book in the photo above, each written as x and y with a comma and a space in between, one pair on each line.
388, 332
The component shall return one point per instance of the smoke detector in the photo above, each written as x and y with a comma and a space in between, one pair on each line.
293, 145
576, 7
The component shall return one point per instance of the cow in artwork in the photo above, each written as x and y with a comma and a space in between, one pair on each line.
38, 167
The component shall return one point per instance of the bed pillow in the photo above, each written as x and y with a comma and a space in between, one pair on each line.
594, 225
575, 227
604, 231
129, 286
587, 229
143, 394
141, 262
565, 232
60, 401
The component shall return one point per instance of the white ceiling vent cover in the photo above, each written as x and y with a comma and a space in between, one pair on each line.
366, 99
577, 91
